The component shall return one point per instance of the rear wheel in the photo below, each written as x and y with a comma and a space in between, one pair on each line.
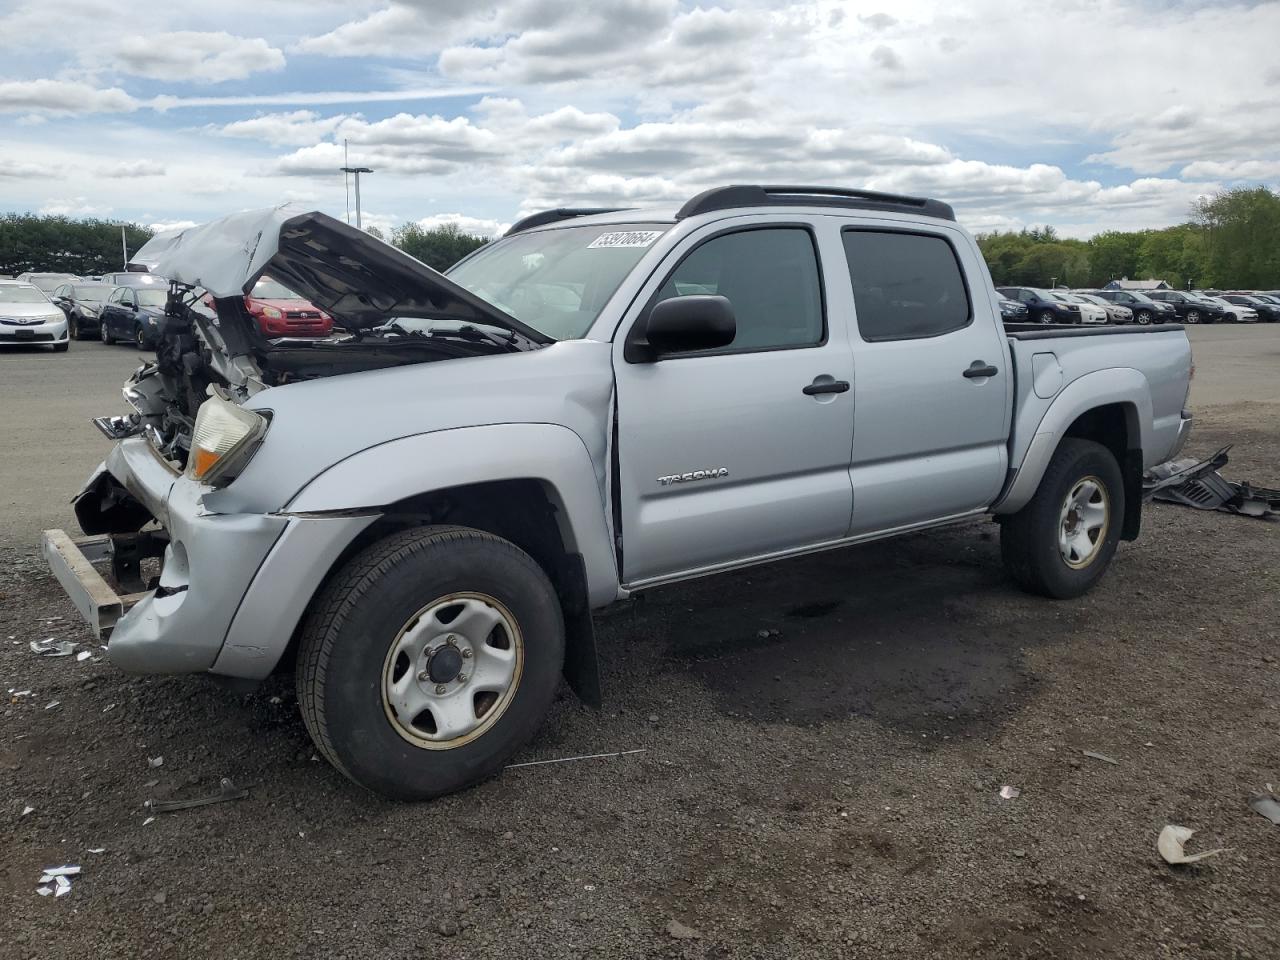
1060, 544
104, 333
429, 659
140, 337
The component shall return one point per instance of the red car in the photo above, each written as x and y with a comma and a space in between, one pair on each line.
282, 313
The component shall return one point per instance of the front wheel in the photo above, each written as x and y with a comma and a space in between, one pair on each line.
1060, 543
1143, 317
1193, 316
429, 659
1045, 316
104, 334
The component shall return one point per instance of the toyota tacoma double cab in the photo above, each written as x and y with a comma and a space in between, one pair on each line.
418, 516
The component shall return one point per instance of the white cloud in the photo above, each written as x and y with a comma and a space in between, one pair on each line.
188, 55
72, 207
476, 226
283, 129
20, 170
133, 168
63, 96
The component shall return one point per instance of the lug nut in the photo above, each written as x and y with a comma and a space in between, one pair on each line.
451, 640
462, 678
441, 688
423, 677
466, 654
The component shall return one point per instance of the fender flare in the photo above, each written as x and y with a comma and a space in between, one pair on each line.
549, 453
1122, 385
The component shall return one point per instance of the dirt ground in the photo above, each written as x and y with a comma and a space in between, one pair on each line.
824, 743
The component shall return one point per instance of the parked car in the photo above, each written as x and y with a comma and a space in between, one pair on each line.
1145, 310
27, 315
130, 278
280, 312
1011, 311
1042, 305
46, 281
1115, 312
1089, 312
133, 314
82, 302
1266, 311
1189, 307
436, 548
1237, 312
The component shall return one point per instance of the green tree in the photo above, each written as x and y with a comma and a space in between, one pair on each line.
438, 247
1241, 237
64, 245
1113, 255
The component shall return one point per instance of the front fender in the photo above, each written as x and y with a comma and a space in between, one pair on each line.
551, 454
1123, 385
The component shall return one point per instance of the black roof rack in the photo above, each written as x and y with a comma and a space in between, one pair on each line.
560, 213
750, 195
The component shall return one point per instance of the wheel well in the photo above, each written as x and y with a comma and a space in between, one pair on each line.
527, 512
1115, 426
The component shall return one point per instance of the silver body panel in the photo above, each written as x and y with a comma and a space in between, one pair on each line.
912, 444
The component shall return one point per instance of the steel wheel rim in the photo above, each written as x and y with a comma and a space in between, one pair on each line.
1193, 317
427, 707
1083, 522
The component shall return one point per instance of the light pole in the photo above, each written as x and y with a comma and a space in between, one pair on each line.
357, 171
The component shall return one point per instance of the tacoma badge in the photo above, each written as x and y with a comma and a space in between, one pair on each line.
712, 473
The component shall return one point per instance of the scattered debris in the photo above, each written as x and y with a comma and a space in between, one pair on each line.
1092, 755
1171, 841
26, 810
591, 756
44, 891
66, 870
148, 820
53, 703
154, 762
589, 887
53, 648
679, 931
54, 880
108, 708
226, 791
1009, 793
82, 656
1198, 484
97, 850
1267, 804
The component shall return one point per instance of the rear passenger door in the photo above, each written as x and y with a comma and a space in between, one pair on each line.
741, 452
932, 381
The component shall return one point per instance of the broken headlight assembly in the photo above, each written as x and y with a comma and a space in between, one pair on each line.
225, 437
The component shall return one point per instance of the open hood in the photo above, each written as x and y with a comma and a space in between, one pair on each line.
358, 280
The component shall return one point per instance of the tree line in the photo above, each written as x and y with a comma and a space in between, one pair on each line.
1230, 242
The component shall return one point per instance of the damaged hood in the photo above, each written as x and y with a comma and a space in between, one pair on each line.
358, 280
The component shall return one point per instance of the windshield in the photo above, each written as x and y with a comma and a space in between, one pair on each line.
151, 297
94, 293
268, 289
557, 281
23, 294
49, 282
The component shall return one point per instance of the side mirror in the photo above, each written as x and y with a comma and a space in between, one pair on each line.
694, 322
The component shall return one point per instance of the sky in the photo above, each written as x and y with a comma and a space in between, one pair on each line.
1109, 114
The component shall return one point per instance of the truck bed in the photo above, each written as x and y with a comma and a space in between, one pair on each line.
1040, 331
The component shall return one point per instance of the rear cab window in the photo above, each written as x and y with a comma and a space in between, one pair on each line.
906, 285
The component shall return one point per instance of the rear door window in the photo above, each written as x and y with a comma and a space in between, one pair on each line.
906, 286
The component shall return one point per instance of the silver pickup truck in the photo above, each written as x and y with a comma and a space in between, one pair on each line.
419, 514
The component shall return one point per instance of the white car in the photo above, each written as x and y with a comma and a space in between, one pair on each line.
1236, 313
1089, 312
27, 315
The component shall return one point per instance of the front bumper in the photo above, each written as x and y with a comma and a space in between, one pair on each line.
54, 331
212, 576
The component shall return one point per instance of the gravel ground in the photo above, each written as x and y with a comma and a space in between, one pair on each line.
824, 742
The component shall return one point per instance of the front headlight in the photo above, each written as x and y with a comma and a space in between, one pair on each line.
223, 440
271, 313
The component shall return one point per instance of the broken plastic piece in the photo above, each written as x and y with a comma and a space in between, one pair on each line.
1267, 805
148, 820
66, 870
1009, 793
1198, 484
82, 656
26, 810
44, 891
61, 886
226, 791
97, 850
1171, 841
155, 762
1100, 756
53, 648
53, 703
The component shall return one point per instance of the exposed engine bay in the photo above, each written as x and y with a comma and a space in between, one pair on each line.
390, 309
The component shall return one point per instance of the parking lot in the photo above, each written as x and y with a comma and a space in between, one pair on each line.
824, 742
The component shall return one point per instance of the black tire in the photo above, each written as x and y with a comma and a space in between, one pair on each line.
1143, 317
1045, 316
73, 328
1029, 539
104, 334
346, 643
139, 337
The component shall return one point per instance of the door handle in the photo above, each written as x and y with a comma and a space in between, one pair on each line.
826, 386
980, 368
